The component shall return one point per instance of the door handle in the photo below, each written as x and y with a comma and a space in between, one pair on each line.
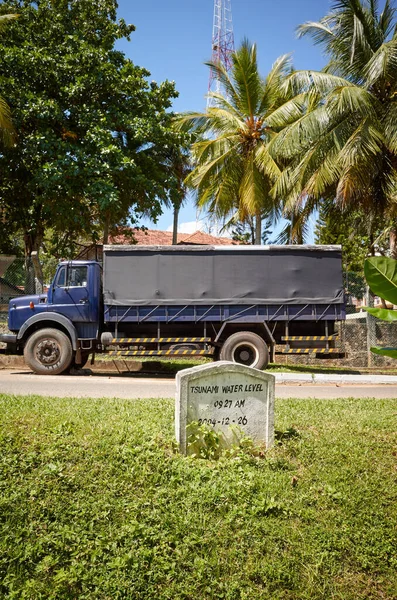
83, 301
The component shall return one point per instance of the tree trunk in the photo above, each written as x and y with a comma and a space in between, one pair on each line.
371, 327
106, 229
32, 267
258, 228
175, 225
393, 242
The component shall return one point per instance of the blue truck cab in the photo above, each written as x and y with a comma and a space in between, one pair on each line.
237, 303
60, 328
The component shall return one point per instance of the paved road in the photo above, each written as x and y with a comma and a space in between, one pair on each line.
135, 386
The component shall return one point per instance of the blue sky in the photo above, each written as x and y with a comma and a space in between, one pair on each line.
173, 39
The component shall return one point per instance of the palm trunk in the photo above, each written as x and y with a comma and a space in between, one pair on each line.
393, 242
175, 225
106, 229
258, 228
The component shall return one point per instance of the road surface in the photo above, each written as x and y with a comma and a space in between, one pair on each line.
135, 386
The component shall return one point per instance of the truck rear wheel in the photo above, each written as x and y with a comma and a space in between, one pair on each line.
48, 352
246, 348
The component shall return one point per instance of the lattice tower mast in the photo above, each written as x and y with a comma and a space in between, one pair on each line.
222, 43
222, 49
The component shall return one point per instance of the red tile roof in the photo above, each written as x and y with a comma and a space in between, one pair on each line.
154, 237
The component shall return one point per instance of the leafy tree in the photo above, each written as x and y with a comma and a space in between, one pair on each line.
245, 232
178, 165
234, 170
90, 126
6, 126
354, 231
344, 148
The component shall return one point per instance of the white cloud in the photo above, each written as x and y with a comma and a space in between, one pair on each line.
201, 225
189, 226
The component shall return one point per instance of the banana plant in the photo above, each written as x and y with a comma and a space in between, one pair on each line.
381, 275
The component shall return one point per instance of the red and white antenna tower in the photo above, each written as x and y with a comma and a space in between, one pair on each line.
222, 43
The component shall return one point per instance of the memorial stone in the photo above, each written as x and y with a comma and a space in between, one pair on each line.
232, 399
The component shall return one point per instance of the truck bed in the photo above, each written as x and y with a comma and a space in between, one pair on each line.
222, 282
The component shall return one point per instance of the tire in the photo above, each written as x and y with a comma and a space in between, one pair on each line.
48, 352
246, 348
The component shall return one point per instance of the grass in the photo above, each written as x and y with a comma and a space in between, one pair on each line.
172, 365
95, 503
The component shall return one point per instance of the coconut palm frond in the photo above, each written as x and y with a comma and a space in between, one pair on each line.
363, 146
383, 64
225, 81
390, 127
7, 130
386, 19
190, 121
321, 32
288, 112
352, 100
272, 91
265, 163
315, 81
5, 19
246, 78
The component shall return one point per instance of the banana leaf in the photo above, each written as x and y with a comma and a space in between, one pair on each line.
382, 313
381, 275
392, 352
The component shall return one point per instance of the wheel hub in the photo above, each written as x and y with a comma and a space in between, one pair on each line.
245, 354
47, 352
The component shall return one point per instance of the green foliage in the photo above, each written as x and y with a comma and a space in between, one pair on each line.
6, 127
343, 149
383, 313
381, 276
203, 441
234, 171
95, 503
391, 352
351, 229
91, 128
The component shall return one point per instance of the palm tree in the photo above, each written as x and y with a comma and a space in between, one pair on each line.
234, 171
178, 164
344, 148
6, 127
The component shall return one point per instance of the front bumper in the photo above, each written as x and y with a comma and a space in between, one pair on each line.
12, 343
8, 338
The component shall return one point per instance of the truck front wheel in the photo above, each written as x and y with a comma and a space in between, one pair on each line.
48, 352
246, 348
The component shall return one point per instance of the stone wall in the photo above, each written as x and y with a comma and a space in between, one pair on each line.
353, 342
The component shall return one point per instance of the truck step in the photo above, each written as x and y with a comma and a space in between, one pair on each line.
312, 351
307, 338
161, 353
164, 340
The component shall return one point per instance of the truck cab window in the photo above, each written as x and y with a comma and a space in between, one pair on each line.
61, 279
78, 277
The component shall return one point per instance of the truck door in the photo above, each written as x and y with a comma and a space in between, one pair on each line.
70, 294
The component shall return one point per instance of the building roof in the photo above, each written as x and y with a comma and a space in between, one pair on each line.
154, 237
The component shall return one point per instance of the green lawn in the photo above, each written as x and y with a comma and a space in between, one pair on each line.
95, 503
173, 365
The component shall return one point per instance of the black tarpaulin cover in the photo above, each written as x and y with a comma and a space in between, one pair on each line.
161, 275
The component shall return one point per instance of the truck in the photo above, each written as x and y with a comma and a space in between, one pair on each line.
237, 303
